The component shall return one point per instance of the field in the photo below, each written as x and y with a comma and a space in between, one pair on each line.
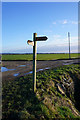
58, 87
57, 95
39, 56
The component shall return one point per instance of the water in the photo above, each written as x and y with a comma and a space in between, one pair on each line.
36, 71
28, 73
21, 65
67, 63
32, 72
16, 74
39, 70
47, 68
43, 69
4, 69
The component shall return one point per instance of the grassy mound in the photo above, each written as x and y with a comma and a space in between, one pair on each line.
57, 95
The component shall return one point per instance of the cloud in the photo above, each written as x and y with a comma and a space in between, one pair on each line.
74, 38
74, 22
65, 22
60, 21
58, 40
56, 36
68, 22
71, 22
54, 23
57, 49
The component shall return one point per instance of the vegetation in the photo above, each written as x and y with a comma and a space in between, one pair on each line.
39, 56
57, 95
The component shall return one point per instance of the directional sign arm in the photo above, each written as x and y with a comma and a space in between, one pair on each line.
30, 42
44, 38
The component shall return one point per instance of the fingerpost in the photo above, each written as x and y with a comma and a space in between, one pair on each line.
34, 43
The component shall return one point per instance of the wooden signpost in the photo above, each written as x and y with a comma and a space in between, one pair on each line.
33, 43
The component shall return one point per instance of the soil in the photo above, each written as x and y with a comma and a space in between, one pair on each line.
28, 66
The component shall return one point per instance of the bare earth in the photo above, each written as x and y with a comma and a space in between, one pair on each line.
23, 67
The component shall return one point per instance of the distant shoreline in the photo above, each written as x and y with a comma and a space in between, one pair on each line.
32, 53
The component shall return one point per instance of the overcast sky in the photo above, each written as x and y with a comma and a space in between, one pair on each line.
52, 19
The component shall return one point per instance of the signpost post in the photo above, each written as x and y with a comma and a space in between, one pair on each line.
34, 61
69, 44
33, 43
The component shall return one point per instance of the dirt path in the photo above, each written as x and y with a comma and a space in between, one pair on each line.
20, 68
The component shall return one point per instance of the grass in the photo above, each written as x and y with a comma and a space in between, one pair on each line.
39, 56
64, 112
19, 101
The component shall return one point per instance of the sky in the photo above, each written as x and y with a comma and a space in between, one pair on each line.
52, 19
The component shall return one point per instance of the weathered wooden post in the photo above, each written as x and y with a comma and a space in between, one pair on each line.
34, 43
34, 61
